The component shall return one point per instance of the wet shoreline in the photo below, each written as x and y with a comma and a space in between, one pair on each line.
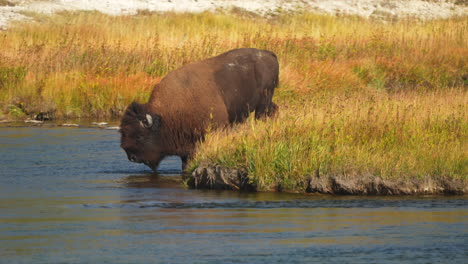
65, 123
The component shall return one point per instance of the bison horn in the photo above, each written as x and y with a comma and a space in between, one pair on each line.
149, 120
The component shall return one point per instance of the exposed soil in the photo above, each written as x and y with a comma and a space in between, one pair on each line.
217, 177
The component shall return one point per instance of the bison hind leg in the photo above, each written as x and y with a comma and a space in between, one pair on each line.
266, 110
272, 110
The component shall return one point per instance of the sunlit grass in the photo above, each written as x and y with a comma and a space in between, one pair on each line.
356, 96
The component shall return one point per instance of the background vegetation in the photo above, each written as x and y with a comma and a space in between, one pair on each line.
356, 96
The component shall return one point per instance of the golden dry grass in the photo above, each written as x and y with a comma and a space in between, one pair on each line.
88, 64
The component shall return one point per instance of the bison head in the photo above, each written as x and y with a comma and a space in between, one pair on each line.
140, 138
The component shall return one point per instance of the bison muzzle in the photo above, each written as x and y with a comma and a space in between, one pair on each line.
199, 96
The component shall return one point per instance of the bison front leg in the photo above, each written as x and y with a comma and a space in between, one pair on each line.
184, 162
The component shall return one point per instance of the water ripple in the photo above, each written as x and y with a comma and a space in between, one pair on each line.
357, 203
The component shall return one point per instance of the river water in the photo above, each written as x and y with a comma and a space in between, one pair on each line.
69, 195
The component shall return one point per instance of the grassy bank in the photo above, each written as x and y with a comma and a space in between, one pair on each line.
356, 96
393, 137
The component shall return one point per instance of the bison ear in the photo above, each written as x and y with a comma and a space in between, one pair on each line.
150, 121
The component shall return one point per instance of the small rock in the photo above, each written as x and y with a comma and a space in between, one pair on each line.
42, 116
70, 125
33, 121
112, 128
99, 123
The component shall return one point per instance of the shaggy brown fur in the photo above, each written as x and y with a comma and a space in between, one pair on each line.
207, 94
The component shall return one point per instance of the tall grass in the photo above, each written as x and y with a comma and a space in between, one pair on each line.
356, 96
91, 64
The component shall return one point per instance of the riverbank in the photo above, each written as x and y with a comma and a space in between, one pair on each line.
393, 144
358, 98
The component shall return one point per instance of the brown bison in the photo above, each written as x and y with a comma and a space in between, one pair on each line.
211, 93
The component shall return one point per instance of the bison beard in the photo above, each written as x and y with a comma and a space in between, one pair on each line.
214, 93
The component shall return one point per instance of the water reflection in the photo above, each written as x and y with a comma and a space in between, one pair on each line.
152, 181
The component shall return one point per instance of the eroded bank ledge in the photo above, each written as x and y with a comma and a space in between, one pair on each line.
220, 178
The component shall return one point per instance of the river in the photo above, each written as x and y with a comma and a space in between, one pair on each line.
69, 195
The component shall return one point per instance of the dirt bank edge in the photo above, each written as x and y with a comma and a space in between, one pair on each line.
213, 176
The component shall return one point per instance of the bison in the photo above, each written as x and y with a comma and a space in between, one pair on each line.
199, 96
